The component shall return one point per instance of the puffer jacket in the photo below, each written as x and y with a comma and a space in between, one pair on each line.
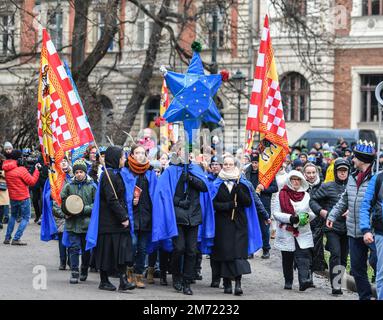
351, 199
87, 191
18, 180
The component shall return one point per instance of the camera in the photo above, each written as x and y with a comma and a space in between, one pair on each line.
28, 159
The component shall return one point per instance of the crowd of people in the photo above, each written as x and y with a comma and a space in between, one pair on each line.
145, 216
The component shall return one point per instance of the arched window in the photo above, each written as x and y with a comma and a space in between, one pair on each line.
295, 92
106, 118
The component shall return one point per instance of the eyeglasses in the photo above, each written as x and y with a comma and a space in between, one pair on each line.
295, 179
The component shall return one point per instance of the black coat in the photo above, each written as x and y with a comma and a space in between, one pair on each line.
231, 236
192, 215
326, 197
265, 195
143, 211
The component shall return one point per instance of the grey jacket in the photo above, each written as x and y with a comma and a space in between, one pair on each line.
351, 199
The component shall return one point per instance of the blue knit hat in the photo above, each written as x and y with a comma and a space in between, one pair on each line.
365, 151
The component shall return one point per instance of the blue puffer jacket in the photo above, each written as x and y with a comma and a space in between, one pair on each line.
372, 208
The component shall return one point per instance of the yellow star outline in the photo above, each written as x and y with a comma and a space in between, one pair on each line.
46, 121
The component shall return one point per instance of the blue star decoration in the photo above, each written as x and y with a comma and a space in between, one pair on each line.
193, 96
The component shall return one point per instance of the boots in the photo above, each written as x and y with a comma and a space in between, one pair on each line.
228, 288
105, 283
150, 275
177, 282
288, 285
84, 273
163, 280
125, 284
131, 274
62, 265
186, 289
238, 290
74, 277
139, 281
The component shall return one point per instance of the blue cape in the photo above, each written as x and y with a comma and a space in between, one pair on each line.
48, 229
254, 231
164, 218
130, 183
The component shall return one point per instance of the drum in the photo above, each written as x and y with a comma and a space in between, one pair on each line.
73, 205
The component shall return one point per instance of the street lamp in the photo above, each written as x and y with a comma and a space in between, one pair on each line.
239, 80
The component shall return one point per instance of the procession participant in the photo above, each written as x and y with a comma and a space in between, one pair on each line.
184, 213
4, 196
321, 203
236, 236
351, 200
215, 168
294, 238
138, 167
58, 213
77, 225
109, 229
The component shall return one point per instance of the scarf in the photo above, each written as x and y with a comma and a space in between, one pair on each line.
225, 176
285, 195
136, 167
361, 176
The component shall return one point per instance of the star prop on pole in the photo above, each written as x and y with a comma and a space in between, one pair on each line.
193, 94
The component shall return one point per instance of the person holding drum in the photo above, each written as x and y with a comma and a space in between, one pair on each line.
77, 203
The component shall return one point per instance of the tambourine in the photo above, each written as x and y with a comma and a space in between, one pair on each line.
73, 205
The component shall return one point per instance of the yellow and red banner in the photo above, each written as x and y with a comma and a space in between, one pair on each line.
266, 112
62, 124
166, 129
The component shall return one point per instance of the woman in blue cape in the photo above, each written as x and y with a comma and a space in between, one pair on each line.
138, 169
109, 230
238, 235
183, 215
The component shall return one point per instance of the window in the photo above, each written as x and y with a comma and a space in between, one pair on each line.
295, 97
296, 8
369, 103
144, 27
55, 27
101, 28
7, 32
152, 110
5, 117
372, 7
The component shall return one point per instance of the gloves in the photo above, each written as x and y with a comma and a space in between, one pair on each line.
303, 218
184, 204
294, 219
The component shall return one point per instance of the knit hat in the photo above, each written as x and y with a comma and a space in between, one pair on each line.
365, 151
8, 145
297, 163
80, 165
254, 157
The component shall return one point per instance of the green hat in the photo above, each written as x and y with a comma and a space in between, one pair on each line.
80, 165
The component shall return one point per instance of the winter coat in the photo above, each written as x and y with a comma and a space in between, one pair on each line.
193, 215
285, 240
231, 236
142, 213
18, 180
266, 194
281, 181
87, 191
326, 197
351, 199
4, 196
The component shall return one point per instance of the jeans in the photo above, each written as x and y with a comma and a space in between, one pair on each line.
64, 254
18, 208
337, 244
359, 256
302, 259
379, 266
77, 247
140, 242
185, 246
4, 214
265, 230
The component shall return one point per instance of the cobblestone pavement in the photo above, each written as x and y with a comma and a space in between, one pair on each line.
17, 278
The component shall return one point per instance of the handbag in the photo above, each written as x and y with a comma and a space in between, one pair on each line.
3, 186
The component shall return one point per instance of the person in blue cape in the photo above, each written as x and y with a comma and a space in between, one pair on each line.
109, 231
58, 214
184, 214
138, 169
215, 168
238, 235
